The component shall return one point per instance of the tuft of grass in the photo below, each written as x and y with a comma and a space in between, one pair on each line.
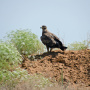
62, 77
26, 42
40, 81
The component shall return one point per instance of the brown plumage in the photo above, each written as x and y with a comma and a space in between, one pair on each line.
50, 40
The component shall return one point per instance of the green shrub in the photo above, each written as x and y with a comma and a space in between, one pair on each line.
9, 56
21, 41
26, 42
77, 46
14, 77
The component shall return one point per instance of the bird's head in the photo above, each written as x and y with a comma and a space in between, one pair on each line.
43, 27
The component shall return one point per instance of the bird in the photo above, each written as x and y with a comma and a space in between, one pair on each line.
50, 40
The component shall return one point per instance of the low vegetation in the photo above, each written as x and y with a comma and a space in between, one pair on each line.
10, 59
20, 78
18, 43
79, 45
9, 56
26, 42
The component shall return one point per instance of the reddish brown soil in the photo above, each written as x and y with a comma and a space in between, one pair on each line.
74, 66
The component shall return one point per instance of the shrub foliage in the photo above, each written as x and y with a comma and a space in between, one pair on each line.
78, 46
20, 42
26, 42
9, 56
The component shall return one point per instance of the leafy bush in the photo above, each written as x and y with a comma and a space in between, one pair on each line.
9, 60
9, 56
26, 42
77, 46
10, 79
21, 41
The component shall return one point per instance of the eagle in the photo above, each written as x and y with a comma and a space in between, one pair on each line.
50, 40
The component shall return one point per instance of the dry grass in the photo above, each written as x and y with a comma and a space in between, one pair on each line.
31, 86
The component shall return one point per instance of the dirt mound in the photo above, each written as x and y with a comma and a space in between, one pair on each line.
69, 66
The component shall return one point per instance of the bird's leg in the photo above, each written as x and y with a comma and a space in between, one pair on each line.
47, 49
51, 49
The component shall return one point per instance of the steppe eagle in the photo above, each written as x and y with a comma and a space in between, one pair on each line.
50, 40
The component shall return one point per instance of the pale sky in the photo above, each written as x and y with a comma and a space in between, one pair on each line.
68, 19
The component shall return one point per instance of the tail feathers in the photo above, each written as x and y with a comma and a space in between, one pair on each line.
63, 48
